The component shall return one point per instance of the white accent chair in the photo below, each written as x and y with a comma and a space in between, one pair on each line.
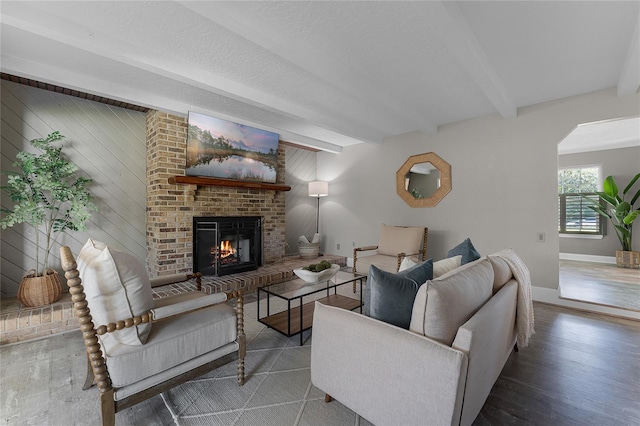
136, 347
395, 243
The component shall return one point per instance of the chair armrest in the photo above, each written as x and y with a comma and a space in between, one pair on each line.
188, 305
401, 255
166, 311
365, 248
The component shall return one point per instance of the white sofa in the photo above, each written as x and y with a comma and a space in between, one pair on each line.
393, 376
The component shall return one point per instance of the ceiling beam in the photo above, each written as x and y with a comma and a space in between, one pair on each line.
233, 17
112, 49
465, 47
62, 77
629, 80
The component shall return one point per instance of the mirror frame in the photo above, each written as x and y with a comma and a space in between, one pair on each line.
445, 180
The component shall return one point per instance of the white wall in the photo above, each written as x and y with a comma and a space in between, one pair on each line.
107, 143
504, 175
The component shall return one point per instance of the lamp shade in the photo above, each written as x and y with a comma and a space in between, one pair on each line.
318, 189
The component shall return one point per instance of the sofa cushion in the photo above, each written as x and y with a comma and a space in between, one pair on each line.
467, 250
443, 304
443, 266
400, 239
501, 272
418, 274
117, 288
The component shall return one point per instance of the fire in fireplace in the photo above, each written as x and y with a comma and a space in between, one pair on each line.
226, 245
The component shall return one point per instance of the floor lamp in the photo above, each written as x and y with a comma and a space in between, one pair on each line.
318, 189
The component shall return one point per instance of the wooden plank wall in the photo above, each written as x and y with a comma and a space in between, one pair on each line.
108, 145
300, 208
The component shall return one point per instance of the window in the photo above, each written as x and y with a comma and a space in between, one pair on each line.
574, 184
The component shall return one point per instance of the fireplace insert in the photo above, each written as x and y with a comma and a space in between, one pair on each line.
226, 245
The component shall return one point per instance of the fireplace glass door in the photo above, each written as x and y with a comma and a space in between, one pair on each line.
226, 245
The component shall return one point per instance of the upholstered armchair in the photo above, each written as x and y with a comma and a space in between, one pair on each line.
395, 243
138, 348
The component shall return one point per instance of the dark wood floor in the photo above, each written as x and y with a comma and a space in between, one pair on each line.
601, 284
580, 369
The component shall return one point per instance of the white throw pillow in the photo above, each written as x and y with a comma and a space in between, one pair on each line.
443, 266
406, 264
117, 288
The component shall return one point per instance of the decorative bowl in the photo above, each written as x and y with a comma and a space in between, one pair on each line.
317, 277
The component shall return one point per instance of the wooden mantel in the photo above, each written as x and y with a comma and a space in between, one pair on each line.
206, 181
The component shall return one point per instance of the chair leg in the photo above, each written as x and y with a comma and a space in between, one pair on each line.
108, 408
327, 398
89, 378
242, 338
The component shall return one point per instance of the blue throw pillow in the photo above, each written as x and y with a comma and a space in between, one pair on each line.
420, 273
466, 250
389, 297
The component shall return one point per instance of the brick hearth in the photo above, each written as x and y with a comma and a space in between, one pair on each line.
18, 323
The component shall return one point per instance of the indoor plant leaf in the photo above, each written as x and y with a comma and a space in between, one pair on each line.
47, 194
610, 187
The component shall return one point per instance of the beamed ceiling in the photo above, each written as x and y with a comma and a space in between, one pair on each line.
327, 74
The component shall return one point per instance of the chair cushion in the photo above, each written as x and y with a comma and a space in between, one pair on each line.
400, 239
443, 266
443, 304
466, 249
386, 263
170, 343
392, 290
117, 288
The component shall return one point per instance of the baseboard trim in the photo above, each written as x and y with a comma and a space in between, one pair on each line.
552, 297
588, 258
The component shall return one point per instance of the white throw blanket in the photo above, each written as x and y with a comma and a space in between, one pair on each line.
524, 306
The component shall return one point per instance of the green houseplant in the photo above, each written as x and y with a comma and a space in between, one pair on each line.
622, 215
48, 195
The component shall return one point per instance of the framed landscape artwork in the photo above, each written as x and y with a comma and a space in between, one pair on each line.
224, 149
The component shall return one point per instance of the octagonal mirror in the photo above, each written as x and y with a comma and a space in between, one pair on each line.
423, 180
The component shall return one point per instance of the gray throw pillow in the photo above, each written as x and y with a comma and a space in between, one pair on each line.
466, 250
389, 297
420, 273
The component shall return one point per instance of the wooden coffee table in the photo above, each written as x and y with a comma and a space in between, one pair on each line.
300, 297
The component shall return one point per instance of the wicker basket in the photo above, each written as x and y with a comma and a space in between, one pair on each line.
40, 290
628, 259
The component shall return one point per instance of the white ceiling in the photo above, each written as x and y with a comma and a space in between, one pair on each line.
327, 74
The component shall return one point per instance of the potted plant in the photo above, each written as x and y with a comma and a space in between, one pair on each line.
622, 215
48, 195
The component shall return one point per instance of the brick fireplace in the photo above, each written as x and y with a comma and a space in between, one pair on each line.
171, 208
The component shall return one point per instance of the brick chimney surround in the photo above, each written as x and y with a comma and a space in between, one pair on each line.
171, 207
